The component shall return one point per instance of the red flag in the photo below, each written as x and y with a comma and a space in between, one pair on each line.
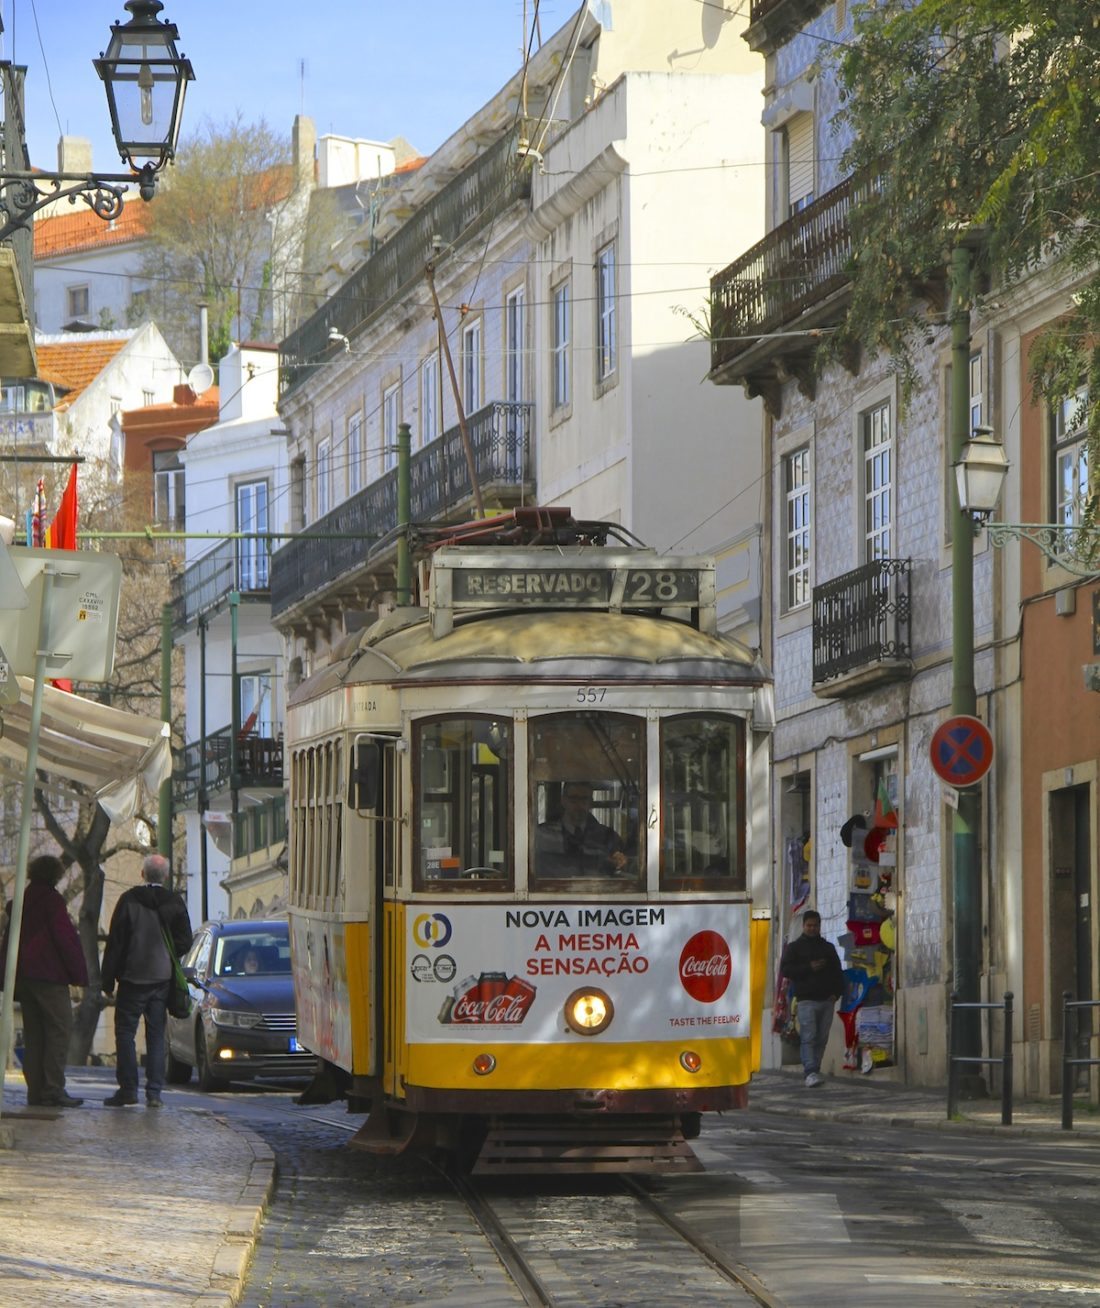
61, 533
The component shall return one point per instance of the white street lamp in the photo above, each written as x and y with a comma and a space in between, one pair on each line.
980, 474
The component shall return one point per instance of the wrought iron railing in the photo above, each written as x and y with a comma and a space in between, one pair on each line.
794, 268
259, 764
338, 544
861, 618
486, 187
241, 565
259, 826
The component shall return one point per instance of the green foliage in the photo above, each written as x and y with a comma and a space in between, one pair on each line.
980, 115
227, 210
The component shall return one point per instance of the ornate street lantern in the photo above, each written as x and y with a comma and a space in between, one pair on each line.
145, 79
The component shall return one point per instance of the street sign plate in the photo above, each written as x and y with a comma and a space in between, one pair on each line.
962, 751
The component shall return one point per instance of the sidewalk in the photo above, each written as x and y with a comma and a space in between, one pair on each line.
162, 1207
125, 1206
853, 1097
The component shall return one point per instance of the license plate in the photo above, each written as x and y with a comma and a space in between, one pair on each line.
295, 1047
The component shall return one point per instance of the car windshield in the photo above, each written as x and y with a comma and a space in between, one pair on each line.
261, 953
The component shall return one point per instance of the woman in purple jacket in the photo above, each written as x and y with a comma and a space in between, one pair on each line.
50, 961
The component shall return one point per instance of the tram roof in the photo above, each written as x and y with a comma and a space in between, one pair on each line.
531, 646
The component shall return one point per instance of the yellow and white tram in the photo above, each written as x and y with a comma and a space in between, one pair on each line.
525, 823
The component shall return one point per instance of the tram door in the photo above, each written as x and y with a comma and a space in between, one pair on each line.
387, 829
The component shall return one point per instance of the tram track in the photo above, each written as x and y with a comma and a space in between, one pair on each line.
519, 1241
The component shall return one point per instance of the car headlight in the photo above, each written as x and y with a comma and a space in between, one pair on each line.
231, 1017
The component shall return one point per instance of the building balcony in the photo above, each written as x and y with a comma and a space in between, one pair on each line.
208, 765
861, 629
331, 561
795, 279
470, 201
232, 565
773, 22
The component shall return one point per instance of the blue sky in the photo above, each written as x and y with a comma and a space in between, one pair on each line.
373, 68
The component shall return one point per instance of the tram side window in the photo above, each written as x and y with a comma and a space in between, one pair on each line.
587, 774
463, 801
703, 802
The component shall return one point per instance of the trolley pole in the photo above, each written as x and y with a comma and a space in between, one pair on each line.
404, 513
967, 896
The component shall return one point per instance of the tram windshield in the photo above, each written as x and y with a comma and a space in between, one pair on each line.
587, 774
464, 787
702, 802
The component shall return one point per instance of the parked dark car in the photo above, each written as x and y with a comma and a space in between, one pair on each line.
244, 1024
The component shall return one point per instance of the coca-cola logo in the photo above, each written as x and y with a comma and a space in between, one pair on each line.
491, 999
706, 966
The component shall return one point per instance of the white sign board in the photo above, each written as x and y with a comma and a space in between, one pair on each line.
81, 590
669, 970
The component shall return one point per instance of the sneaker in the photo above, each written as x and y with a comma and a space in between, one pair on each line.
154, 1101
120, 1100
63, 1100
811, 1079
818, 1079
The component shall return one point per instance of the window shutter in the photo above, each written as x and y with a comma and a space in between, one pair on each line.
800, 160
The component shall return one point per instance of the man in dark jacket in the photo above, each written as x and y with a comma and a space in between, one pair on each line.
576, 844
812, 966
50, 960
137, 958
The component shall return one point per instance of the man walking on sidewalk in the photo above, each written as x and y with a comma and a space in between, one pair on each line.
137, 958
812, 966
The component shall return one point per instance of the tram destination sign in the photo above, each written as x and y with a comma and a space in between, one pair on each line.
640, 587
611, 580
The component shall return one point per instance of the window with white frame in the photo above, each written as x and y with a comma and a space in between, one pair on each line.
515, 337
77, 301
252, 521
877, 432
471, 366
977, 391
429, 399
1070, 481
796, 560
355, 452
324, 477
256, 705
560, 343
168, 489
391, 416
607, 344
147, 397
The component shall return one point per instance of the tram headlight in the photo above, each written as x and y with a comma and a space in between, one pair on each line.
589, 1011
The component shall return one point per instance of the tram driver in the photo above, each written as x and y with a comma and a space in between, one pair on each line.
576, 844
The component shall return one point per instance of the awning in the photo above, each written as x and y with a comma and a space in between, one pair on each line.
120, 757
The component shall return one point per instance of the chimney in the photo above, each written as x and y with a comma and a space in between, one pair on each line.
303, 143
74, 154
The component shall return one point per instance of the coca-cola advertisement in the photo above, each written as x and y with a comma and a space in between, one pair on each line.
706, 966
491, 999
676, 972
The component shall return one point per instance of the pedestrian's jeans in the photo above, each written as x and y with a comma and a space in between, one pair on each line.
134, 1002
815, 1017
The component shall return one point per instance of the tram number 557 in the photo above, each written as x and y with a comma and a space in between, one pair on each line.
591, 694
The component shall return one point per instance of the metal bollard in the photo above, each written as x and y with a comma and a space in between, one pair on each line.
1006, 1064
952, 1079
1068, 1045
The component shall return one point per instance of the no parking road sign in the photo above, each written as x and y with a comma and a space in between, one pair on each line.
962, 750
